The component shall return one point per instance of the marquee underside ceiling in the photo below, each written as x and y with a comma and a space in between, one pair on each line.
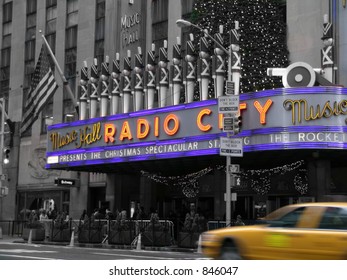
182, 166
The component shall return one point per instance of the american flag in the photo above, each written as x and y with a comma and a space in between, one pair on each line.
42, 88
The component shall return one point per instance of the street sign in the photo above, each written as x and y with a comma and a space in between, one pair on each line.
64, 182
231, 147
228, 124
234, 196
228, 104
234, 168
229, 88
3, 191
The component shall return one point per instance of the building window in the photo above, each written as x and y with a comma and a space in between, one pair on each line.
69, 110
51, 24
159, 23
70, 53
72, 13
187, 7
30, 42
71, 39
99, 31
30, 47
31, 6
47, 116
50, 3
6, 49
70, 62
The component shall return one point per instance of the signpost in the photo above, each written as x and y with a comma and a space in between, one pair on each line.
3, 189
229, 104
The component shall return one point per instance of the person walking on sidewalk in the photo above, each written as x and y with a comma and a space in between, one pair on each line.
239, 221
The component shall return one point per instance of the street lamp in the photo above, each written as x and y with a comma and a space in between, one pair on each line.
236, 79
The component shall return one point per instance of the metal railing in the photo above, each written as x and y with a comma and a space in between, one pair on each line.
12, 228
162, 233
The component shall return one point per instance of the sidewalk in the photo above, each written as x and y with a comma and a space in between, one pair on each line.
173, 248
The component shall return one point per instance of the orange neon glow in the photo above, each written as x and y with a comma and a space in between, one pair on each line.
243, 106
220, 121
262, 110
125, 132
156, 126
173, 131
142, 128
199, 123
110, 131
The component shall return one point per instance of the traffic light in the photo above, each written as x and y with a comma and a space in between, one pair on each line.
237, 124
11, 127
7, 155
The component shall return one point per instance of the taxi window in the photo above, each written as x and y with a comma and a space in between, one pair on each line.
288, 220
334, 218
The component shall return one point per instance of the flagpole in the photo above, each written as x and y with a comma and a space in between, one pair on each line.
65, 82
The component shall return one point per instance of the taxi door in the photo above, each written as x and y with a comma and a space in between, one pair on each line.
329, 239
286, 237
320, 233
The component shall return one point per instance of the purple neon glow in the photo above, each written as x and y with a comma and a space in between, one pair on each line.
117, 117
157, 110
293, 91
204, 103
291, 129
245, 133
74, 151
294, 145
214, 151
210, 102
198, 138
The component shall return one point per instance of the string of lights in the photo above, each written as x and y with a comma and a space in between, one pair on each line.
259, 179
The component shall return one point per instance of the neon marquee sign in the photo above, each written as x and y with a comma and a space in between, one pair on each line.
301, 118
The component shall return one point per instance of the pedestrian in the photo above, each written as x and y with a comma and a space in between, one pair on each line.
84, 216
109, 215
239, 221
154, 217
136, 213
43, 215
33, 217
98, 215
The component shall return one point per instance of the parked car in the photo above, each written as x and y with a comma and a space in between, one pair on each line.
299, 231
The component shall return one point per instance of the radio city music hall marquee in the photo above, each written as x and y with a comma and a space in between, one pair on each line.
296, 118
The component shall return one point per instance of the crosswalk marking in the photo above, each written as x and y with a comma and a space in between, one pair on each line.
27, 257
24, 251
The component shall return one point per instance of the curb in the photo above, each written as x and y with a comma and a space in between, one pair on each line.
107, 246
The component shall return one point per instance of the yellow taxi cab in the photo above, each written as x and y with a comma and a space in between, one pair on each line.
310, 231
